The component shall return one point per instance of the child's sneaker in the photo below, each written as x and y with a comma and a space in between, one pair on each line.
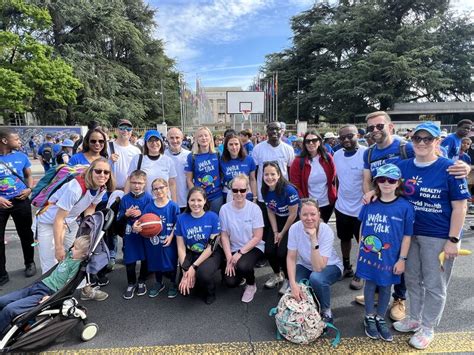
173, 291
129, 292
371, 327
406, 325
422, 338
141, 289
383, 330
249, 293
89, 293
156, 289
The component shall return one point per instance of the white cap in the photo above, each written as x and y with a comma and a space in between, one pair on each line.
329, 135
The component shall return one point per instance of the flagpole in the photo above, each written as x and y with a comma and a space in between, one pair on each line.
276, 96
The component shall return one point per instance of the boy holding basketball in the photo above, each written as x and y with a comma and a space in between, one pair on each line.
131, 208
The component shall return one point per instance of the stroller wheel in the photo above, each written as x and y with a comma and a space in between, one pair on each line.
89, 331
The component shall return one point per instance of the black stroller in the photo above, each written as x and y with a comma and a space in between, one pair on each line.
61, 312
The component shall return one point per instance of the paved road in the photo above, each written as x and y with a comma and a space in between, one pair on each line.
186, 324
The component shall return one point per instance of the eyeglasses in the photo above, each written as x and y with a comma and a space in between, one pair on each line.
102, 171
347, 136
426, 140
242, 191
125, 128
312, 140
95, 141
379, 127
384, 179
159, 188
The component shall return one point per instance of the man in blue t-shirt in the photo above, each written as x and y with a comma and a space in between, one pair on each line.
16, 181
452, 142
46, 152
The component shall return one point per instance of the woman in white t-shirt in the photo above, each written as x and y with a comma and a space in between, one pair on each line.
55, 226
241, 237
311, 255
154, 163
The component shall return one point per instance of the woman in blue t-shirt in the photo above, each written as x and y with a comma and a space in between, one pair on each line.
281, 199
197, 232
202, 168
440, 202
235, 161
94, 146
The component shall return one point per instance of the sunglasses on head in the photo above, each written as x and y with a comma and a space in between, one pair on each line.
100, 171
379, 127
426, 140
94, 141
312, 140
125, 128
242, 191
384, 179
348, 136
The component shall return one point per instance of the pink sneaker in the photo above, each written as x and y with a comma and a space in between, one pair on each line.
422, 338
249, 292
406, 325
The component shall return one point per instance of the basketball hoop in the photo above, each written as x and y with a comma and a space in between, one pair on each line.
246, 114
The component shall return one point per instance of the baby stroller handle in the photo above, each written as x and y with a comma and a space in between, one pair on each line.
108, 218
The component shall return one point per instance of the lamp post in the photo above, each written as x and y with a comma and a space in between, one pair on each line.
298, 101
162, 100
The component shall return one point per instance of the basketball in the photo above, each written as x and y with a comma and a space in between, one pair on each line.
151, 225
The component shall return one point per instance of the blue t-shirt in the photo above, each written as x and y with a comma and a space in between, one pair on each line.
279, 204
388, 155
382, 229
196, 232
234, 167
54, 151
205, 169
329, 148
133, 243
159, 257
465, 158
452, 143
10, 185
248, 147
79, 159
431, 189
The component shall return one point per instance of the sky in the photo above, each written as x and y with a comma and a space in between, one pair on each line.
224, 42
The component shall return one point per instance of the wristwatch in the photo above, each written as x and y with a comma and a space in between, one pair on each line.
403, 258
195, 267
316, 247
453, 240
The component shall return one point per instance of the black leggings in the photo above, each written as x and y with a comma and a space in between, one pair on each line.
206, 272
326, 212
276, 253
132, 274
244, 268
171, 275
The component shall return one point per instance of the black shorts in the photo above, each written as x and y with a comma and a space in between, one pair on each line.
347, 226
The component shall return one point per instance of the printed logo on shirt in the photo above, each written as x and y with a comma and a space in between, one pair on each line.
207, 180
373, 244
409, 187
205, 166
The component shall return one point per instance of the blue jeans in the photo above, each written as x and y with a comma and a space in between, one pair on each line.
384, 298
320, 282
215, 204
20, 301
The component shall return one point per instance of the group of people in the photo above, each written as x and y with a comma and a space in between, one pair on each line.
230, 211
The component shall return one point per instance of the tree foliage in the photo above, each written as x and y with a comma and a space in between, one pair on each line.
357, 56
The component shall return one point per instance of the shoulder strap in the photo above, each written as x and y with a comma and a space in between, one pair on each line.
369, 153
301, 163
82, 182
140, 160
111, 147
14, 172
403, 149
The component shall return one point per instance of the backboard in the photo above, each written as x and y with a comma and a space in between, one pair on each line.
245, 101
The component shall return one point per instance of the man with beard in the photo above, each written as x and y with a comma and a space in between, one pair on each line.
452, 142
349, 163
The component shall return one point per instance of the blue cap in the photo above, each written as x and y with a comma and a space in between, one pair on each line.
429, 127
292, 138
152, 133
389, 170
67, 143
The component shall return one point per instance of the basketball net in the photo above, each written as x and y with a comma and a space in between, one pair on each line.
246, 114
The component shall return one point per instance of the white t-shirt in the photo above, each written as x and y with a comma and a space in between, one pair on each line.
179, 163
263, 152
318, 183
240, 223
120, 167
69, 198
163, 167
300, 241
350, 173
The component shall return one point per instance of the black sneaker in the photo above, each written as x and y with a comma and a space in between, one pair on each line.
141, 289
129, 292
261, 263
348, 272
4, 279
383, 330
30, 270
371, 327
103, 280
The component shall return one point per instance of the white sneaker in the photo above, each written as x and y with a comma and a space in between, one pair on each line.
284, 287
249, 292
274, 280
89, 293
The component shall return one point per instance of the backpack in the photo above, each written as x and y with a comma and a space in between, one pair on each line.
47, 154
300, 322
53, 180
402, 151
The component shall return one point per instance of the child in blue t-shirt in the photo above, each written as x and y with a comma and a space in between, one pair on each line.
282, 201
131, 208
387, 225
160, 250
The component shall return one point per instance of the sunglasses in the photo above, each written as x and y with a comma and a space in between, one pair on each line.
125, 128
426, 140
383, 179
242, 191
95, 141
100, 171
313, 140
379, 127
159, 188
347, 136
